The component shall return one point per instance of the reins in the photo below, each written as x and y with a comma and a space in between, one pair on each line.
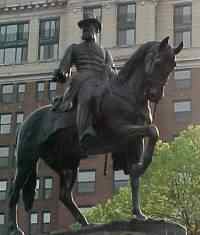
154, 111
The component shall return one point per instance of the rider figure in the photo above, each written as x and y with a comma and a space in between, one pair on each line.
93, 64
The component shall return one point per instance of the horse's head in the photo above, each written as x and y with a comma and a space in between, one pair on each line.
159, 63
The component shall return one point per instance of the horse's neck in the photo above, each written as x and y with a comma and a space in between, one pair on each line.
131, 88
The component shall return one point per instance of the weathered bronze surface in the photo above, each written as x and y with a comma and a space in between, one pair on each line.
121, 121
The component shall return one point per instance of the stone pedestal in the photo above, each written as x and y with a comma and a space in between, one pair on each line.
133, 227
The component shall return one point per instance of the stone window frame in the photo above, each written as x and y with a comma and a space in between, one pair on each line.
20, 92
37, 218
183, 78
50, 43
124, 26
3, 218
34, 225
40, 93
8, 93
52, 90
46, 224
181, 114
8, 124
3, 193
181, 27
5, 159
88, 180
13, 45
48, 189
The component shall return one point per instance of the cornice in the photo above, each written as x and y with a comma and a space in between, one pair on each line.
32, 6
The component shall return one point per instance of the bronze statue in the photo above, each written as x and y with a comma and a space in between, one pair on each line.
122, 120
93, 64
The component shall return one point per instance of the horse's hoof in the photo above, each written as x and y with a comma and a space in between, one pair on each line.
139, 215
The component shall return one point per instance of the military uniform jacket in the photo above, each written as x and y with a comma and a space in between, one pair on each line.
93, 64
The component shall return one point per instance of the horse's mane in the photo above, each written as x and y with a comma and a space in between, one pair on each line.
137, 57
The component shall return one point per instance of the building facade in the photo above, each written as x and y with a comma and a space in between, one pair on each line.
33, 37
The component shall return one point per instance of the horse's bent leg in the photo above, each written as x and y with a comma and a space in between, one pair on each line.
146, 157
20, 179
135, 183
67, 181
139, 169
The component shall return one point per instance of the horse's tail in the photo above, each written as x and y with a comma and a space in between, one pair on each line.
28, 190
26, 157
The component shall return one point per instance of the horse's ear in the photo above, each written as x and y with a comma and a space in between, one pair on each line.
178, 48
164, 43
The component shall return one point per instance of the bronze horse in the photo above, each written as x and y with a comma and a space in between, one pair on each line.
122, 120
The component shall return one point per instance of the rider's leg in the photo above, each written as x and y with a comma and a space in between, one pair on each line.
85, 125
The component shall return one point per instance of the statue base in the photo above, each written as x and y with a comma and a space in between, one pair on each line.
132, 227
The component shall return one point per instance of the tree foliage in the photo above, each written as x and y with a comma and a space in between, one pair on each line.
169, 189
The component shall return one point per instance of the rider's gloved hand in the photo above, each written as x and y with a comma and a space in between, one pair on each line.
58, 76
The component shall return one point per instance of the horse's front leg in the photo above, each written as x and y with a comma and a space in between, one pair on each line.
146, 156
135, 184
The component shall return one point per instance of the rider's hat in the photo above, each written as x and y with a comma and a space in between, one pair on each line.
90, 19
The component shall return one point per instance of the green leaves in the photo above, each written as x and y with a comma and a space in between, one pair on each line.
169, 189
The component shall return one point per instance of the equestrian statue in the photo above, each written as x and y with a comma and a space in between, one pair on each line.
100, 112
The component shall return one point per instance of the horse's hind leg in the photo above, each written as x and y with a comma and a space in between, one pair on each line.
20, 179
67, 180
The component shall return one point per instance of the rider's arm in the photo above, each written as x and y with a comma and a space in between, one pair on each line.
64, 69
67, 60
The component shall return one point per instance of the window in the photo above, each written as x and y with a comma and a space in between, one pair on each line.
40, 91
34, 218
14, 43
19, 120
3, 189
183, 110
183, 78
120, 179
46, 218
126, 16
183, 24
2, 219
34, 223
86, 181
21, 89
7, 93
4, 156
49, 39
48, 186
37, 189
52, 90
5, 123
46, 221
96, 12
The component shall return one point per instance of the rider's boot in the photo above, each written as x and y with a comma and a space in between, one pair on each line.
87, 133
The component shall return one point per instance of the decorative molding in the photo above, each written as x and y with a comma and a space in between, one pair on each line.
25, 77
37, 5
142, 2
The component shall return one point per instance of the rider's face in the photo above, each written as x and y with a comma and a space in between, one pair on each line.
89, 32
